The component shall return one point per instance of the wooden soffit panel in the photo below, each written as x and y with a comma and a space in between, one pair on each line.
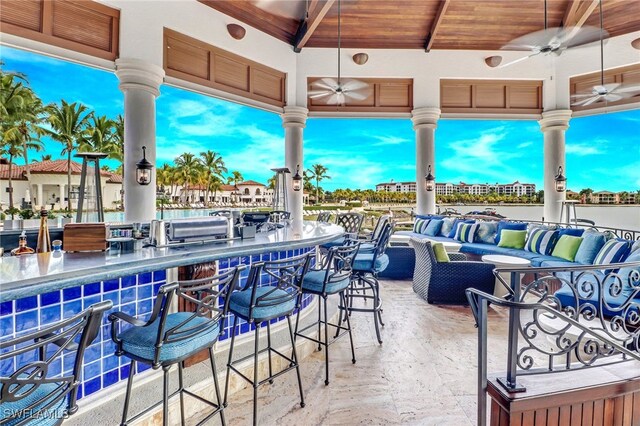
192, 60
629, 75
83, 26
491, 96
387, 95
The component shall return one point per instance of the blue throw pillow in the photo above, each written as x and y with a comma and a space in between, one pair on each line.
613, 251
466, 232
574, 232
420, 225
456, 224
487, 232
630, 276
541, 241
429, 216
433, 228
592, 242
512, 226
447, 225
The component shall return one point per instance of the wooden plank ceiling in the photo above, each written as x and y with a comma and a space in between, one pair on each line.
422, 24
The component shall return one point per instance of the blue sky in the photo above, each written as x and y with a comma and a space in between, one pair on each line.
603, 152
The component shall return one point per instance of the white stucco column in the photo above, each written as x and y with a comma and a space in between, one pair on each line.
294, 120
425, 121
140, 82
40, 196
554, 125
61, 195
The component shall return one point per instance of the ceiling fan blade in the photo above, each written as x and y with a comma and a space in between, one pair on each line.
293, 9
317, 94
533, 40
518, 60
592, 100
351, 84
628, 89
357, 95
613, 97
580, 36
578, 96
325, 84
335, 99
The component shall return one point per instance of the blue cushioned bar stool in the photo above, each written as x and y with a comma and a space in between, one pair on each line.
369, 262
272, 291
351, 222
324, 217
166, 339
334, 278
33, 394
368, 241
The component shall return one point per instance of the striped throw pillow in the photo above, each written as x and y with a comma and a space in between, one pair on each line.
420, 225
613, 251
466, 232
541, 241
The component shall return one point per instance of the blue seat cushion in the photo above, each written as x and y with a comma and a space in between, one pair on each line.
335, 243
314, 281
240, 303
483, 248
48, 417
140, 341
363, 263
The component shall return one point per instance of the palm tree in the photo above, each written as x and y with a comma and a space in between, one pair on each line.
235, 177
44, 157
319, 173
69, 124
188, 168
213, 168
117, 139
100, 137
21, 111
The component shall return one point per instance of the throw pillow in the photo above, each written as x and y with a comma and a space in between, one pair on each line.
440, 252
419, 225
487, 232
592, 242
567, 247
456, 224
635, 247
512, 238
447, 224
630, 275
613, 251
433, 228
541, 241
514, 226
429, 216
574, 232
466, 232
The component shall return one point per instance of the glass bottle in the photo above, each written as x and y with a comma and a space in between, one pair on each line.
44, 239
22, 246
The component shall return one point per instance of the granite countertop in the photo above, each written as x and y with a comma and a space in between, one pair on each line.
35, 274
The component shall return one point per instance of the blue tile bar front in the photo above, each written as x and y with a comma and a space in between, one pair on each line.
32, 296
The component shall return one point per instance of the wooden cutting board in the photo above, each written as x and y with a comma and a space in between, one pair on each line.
84, 237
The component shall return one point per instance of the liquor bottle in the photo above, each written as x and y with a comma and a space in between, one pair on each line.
44, 239
22, 246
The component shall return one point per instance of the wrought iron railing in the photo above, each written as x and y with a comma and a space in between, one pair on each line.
596, 322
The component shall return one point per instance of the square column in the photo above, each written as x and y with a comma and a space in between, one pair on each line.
294, 120
554, 124
425, 121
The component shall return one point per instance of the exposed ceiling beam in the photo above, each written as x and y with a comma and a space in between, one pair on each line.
436, 25
317, 11
578, 12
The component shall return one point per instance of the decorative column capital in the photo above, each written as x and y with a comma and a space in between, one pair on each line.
294, 116
425, 118
141, 75
557, 120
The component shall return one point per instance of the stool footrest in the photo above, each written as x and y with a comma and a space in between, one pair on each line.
271, 377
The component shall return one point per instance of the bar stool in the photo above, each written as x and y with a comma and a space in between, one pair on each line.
34, 396
324, 217
369, 262
334, 278
167, 338
259, 302
351, 222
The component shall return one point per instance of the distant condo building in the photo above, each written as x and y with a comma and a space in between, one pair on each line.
516, 188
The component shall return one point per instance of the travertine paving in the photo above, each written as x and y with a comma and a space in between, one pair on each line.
423, 374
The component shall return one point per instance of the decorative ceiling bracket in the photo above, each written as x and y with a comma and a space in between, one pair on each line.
317, 11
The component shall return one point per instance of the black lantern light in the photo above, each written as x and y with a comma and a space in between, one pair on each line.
143, 169
297, 180
561, 181
430, 180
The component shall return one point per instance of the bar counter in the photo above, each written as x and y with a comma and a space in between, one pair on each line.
37, 274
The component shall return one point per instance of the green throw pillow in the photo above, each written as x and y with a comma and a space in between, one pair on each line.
512, 239
567, 247
440, 252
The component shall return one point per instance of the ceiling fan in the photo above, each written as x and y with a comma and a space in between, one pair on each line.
338, 91
292, 9
609, 92
551, 40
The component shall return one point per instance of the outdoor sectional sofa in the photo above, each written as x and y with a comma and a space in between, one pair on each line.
587, 247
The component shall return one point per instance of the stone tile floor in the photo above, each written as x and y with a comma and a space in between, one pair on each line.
423, 374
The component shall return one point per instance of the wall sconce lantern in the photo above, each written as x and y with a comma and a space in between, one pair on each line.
430, 180
561, 181
297, 180
143, 169
360, 58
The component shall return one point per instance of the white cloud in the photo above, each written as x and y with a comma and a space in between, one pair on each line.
582, 149
18, 55
524, 145
384, 140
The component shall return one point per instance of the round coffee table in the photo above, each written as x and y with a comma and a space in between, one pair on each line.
502, 261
